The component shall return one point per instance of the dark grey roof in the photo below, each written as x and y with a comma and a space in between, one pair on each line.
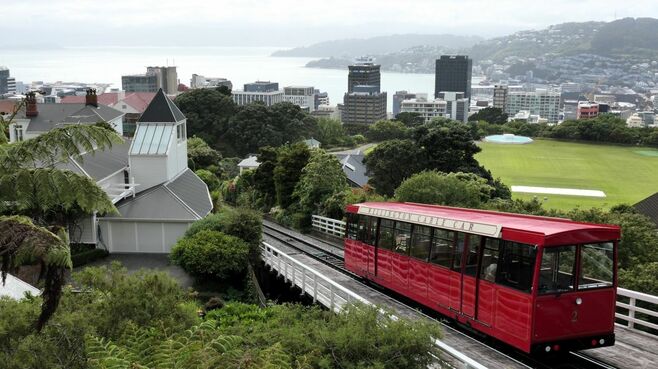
354, 168
649, 207
102, 163
193, 191
51, 115
186, 197
161, 110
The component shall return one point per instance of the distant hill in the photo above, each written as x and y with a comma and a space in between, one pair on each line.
624, 36
350, 48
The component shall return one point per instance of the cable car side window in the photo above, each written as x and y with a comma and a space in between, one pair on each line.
352, 225
471, 266
459, 250
443, 242
558, 270
386, 231
489, 264
363, 232
402, 237
516, 266
421, 240
596, 266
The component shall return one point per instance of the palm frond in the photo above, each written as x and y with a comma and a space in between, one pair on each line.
57, 145
46, 189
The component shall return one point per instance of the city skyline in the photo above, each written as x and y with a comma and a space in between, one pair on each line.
158, 23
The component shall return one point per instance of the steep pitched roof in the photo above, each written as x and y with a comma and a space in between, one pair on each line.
51, 115
161, 110
649, 207
185, 197
138, 100
354, 169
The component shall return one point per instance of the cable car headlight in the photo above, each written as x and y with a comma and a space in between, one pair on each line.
579, 301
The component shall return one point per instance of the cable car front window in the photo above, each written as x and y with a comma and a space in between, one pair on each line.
558, 270
596, 266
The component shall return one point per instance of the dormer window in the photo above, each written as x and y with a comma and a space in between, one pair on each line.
18, 132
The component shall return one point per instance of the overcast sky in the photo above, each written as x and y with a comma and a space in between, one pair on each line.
285, 22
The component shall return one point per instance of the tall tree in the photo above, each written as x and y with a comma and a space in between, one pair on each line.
390, 163
208, 112
322, 177
290, 162
453, 189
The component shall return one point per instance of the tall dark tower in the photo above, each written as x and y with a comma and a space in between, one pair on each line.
453, 73
364, 74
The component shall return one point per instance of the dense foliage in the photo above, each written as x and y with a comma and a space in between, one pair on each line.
291, 159
441, 145
201, 156
489, 115
321, 178
387, 130
604, 128
145, 320
453, 189
212, 254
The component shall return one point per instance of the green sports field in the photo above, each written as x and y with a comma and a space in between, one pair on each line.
625, 174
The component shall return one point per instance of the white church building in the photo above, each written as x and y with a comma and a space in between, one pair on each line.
158, 197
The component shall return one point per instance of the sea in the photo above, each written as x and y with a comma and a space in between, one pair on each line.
238, 64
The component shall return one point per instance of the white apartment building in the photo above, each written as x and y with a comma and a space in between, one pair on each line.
428, 109
268, 98
456, 105
302, 96
199, 81
542, 102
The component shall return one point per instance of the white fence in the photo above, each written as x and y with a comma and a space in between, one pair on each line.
634, 297
330, 226
333, 295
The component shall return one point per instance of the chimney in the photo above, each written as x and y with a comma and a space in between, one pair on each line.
91, 99
31, 105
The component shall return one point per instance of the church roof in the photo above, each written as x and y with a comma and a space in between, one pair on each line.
161, 110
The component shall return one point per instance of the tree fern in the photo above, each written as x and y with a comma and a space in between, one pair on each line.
21, 241
57, 145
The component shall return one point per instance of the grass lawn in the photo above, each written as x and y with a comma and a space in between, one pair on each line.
625, 174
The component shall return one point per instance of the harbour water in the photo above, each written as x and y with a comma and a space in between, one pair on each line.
239, 64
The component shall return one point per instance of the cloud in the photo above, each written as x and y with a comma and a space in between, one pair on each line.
300, 21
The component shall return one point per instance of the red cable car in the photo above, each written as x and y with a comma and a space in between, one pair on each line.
539, 284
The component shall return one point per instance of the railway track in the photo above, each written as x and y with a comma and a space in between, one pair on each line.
571, 360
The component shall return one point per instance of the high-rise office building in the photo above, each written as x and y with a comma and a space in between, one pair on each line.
7, 83
199, 81
155, 78
363, 73
364, 105
453, 73
264, 91
500, 93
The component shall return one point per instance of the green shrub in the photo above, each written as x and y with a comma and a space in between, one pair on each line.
209, 178
212, 254
242, 223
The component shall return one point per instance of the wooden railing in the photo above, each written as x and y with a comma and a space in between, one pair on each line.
637, 316
333, 295
328, 225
